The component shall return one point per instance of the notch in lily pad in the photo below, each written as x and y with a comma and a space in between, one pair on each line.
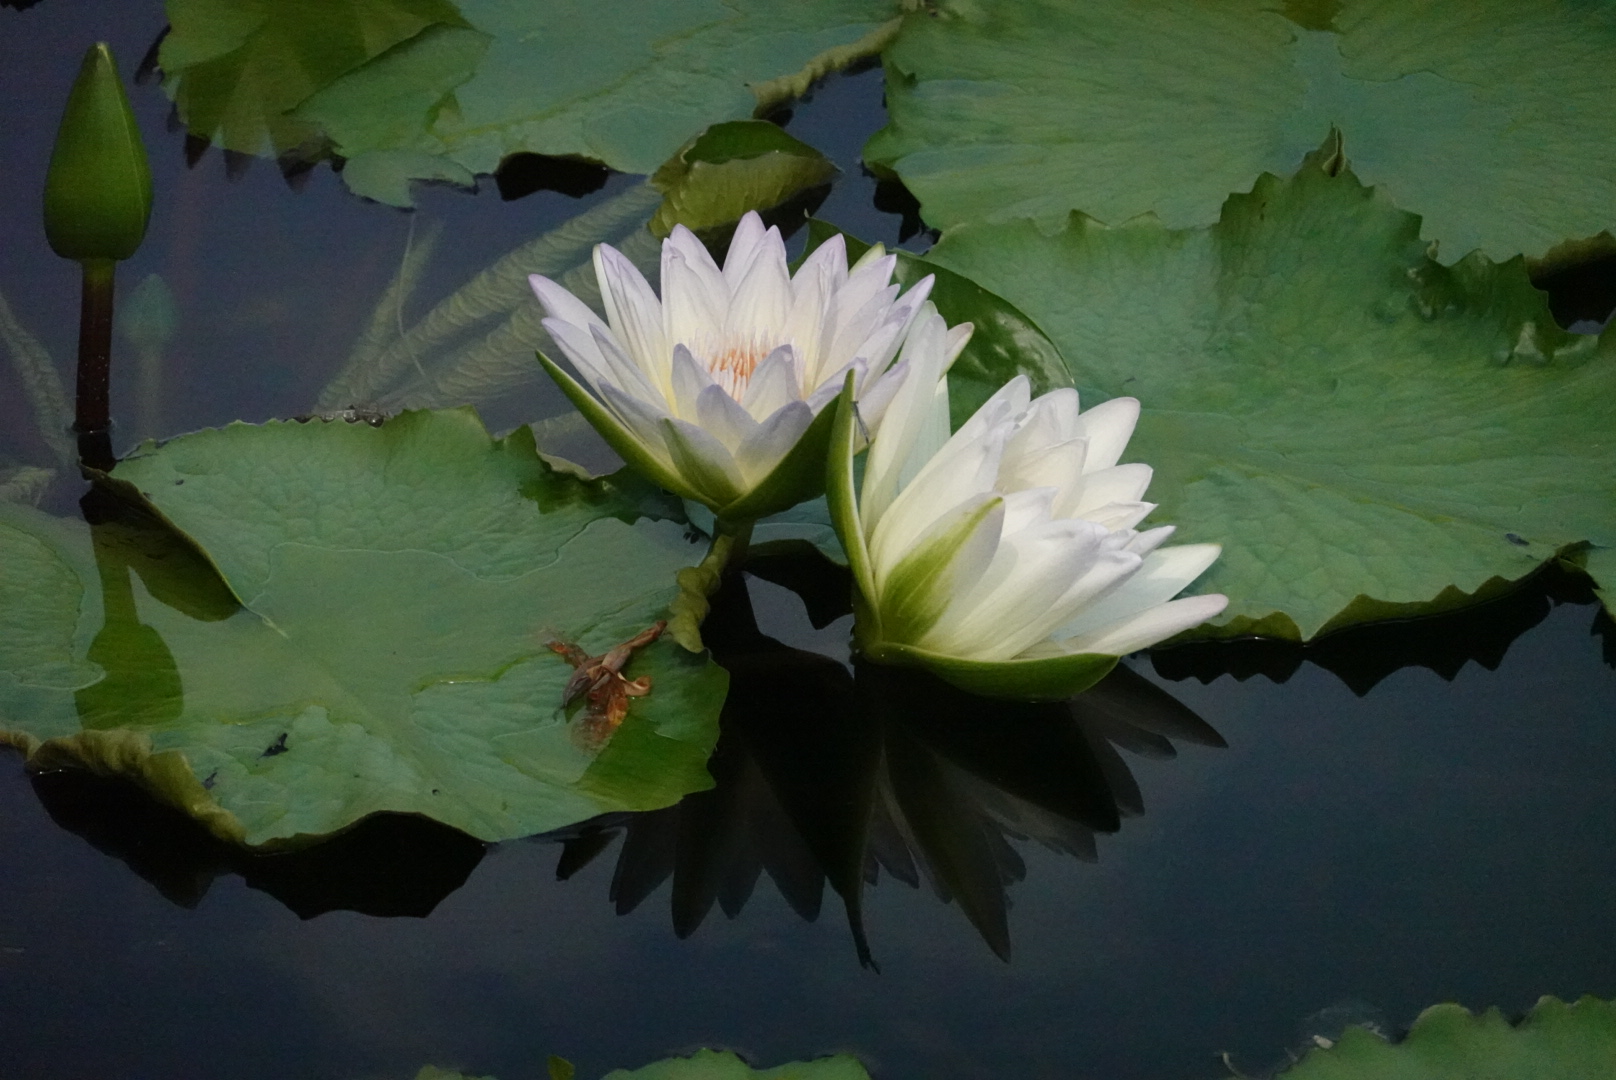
734, 167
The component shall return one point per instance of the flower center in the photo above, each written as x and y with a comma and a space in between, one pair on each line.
731, 366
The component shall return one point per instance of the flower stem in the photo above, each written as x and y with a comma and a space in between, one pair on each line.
740, 536
93, 415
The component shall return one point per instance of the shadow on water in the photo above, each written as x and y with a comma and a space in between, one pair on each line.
828, 777
1362, 656
823, 775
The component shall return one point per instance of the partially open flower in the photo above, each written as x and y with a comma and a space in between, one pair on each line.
1005, 558
713, 390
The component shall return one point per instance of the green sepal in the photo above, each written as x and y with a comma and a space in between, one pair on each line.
617, 436
98, 191
798, 477
841, 496
1050, 678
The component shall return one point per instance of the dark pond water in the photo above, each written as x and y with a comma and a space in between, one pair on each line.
1400, 817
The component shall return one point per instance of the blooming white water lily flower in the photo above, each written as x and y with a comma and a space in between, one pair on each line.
1005, 557
713, 389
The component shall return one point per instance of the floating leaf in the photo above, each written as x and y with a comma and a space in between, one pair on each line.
1368, 433
1554, 1041
730, 169
235, 68
561, 79
398, 586
723, 1065
1492, 118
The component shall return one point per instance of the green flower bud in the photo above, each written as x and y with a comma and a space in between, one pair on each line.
98, 193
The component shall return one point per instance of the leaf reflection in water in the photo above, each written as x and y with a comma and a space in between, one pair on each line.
825, 776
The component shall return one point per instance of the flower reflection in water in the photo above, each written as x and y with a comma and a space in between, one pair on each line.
829, 777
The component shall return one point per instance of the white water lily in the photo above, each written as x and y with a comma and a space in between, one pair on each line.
1005, 557
710, 388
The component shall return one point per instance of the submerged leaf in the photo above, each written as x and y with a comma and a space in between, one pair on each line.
1491, 118
1369, 435
1554, 1041
398, 585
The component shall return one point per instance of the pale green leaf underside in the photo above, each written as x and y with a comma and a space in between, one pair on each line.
1491, 118
1368, 434
1555, 1041
399, 589
626, 88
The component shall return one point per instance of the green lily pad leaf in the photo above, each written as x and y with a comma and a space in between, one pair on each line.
1552, 1042
723, 1065
730, 169
558, 78
1004, 344
399, 587
702, 1065
236, 68
1369, 434
1491, 119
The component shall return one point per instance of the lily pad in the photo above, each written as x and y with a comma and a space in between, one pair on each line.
1491, 118
397, 588
1369, 434
1554, 1041
626, 89
236, 68
730, 169
723, 1065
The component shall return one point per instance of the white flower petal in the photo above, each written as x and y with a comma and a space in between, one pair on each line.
1108, 427
878, 394
722, 416
1102, 487
773, 440
694, 306
1120, 515
643, 420
1059, 466
561, 304
705, 462
632, 310
1148, 627
961, 469
1162, 576
690, 380
774, 384
1144, 543
829, 259
696, 256
1008, 609
749, 242
579, 346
